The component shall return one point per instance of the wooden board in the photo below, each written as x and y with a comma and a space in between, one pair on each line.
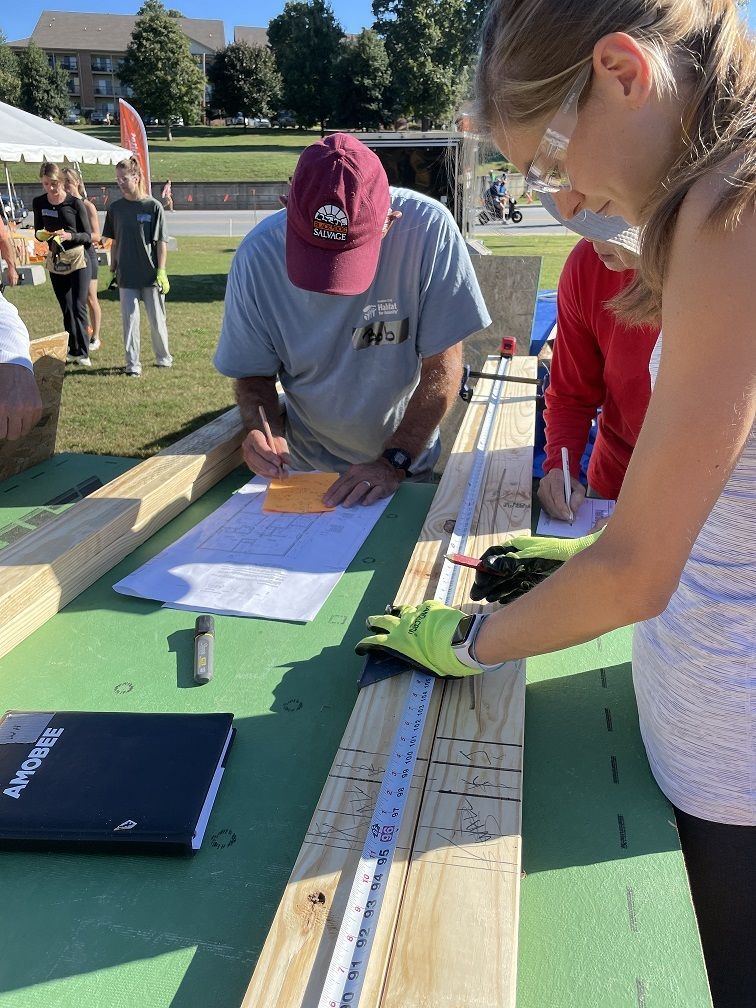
43, 572
292, 966
48, 356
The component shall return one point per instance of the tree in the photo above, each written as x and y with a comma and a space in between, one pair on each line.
245, 79
10, 78
430, 44
160, 69
362, 77
44, 89
306, 40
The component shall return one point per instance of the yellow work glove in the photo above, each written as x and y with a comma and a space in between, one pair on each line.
162, 281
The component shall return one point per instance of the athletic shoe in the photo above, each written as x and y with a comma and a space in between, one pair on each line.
132, 374
164, 363
94, 344
84, 362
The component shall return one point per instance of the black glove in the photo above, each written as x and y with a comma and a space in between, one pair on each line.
517, 575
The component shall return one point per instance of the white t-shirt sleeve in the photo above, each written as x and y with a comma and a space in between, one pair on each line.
451, 306
14, 336
245, 348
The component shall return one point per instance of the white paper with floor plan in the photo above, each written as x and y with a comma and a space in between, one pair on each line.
240, 561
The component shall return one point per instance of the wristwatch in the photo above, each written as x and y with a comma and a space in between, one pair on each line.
399, 459
463, 642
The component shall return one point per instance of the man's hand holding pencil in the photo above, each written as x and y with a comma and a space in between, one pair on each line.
266, 453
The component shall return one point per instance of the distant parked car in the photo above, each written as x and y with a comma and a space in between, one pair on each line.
176, 120
150, 120
71, 118
100, 118
14, 209
285, 118
238, 120
259, 122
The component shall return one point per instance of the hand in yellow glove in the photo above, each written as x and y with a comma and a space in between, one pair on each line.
162, 281
431, 637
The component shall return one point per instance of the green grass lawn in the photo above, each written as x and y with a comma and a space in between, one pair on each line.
202, 154
554, 249
104, 412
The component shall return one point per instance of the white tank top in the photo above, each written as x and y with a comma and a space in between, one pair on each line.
694, 666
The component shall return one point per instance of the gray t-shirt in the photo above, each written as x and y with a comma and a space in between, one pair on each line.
349, 365
135, 226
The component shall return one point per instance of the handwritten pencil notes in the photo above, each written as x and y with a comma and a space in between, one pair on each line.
299, 493
591, 511
242, 561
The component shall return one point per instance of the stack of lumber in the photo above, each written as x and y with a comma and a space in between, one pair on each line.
43, 572
447, 932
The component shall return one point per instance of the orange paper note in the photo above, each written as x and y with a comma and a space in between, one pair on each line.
299, 493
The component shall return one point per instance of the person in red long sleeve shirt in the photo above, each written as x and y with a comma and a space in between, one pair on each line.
599, 366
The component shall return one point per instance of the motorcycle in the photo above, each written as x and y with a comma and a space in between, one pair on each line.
492, 211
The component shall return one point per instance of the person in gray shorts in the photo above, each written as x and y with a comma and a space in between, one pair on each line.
136, 224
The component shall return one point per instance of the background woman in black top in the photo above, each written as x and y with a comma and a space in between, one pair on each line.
57, 213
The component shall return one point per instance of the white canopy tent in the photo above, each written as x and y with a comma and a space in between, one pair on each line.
26, 137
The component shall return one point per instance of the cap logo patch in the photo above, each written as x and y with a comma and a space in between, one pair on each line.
331, 222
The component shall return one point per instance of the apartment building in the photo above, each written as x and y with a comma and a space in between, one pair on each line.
91, 48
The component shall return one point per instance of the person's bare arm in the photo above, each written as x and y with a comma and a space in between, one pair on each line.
162, 254
252, 393
94, 221
8, 252
20, 402
367, 482
701, 413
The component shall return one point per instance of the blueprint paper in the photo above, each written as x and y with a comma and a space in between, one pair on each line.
240, 561
590, 511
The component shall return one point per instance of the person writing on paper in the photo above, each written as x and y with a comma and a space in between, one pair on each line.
600, 364
356, 297
650, 108
20, 402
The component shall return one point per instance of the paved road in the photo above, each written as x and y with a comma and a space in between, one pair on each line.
536, 221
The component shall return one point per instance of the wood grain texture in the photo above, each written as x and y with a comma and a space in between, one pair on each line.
48, 356
44, 571
293, 963
462, 890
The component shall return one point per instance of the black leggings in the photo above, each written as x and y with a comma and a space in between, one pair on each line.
721, 864
71, 292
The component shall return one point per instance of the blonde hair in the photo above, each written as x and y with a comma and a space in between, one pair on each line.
75, 176
50, 170
133, 167
532, 49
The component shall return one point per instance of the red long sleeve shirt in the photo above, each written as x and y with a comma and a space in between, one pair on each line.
598, 363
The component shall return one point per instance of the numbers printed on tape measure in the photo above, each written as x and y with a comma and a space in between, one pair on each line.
351, 953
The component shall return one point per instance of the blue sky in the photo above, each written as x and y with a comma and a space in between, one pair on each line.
18, 20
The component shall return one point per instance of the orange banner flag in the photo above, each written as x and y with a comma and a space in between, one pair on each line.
134, 137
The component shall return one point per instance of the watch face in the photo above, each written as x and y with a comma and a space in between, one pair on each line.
397, 458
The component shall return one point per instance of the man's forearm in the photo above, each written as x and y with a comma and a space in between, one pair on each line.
162, 254
438, 388
251, 394
7, 251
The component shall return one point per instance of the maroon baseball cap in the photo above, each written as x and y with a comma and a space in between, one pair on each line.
335, 215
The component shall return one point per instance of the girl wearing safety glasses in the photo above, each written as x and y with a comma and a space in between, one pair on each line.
647, 110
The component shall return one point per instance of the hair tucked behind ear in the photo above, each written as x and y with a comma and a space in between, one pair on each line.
530, 50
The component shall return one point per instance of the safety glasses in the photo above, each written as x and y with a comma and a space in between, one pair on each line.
547, 173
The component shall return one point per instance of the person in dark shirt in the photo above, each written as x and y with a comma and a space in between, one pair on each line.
61, 220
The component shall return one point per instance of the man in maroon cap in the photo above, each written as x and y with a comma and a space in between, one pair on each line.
356, 298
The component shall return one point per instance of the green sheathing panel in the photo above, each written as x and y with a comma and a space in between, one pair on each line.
36, 496
94, 931
606, 919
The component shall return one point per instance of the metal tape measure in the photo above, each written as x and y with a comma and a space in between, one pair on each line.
346, 971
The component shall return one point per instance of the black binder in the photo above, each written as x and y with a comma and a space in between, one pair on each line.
80, 780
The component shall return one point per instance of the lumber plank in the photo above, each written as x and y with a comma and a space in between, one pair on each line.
292, 966
462, 889
44, 571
